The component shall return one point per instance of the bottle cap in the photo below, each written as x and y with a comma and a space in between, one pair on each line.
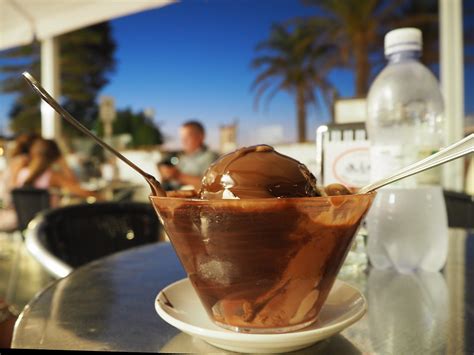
403, 39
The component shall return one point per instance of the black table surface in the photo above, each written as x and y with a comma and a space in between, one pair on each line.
109, 305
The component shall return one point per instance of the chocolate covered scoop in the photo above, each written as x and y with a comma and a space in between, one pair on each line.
257, 172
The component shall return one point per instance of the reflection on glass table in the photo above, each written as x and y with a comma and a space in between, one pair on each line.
422, 310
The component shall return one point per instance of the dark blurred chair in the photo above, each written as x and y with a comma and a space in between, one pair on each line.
124, 194
28, 201
460, 209
67, 237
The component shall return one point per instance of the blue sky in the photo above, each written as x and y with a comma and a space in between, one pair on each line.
192, 60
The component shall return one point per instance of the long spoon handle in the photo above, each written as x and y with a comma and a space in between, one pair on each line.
454, 151
155, 186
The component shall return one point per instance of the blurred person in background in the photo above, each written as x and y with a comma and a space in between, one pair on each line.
17, 159
188, 167
47, 169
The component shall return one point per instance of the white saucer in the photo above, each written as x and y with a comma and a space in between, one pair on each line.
344, 306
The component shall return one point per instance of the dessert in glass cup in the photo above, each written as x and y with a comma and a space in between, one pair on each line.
261, 242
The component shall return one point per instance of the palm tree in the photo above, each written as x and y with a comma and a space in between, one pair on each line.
358, 28
294, 62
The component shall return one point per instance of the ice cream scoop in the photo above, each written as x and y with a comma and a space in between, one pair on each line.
257, 172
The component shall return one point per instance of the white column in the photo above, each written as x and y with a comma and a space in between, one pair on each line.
50, 120
452, 83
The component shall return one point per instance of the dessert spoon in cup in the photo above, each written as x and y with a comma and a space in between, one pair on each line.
454, 151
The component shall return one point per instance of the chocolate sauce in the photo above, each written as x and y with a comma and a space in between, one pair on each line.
257, 172
266, 263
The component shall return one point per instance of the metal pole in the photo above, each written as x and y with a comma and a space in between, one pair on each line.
452, 84
50, 72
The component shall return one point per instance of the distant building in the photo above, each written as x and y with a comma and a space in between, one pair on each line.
271, 134
352, 110
228, 137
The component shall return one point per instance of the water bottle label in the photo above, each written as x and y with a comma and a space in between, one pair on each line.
384, 160
428, 177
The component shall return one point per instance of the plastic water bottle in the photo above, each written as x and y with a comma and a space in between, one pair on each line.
407, 225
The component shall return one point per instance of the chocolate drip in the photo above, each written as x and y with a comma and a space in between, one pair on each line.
257, 172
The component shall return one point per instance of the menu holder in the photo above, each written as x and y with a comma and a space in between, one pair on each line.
343, 155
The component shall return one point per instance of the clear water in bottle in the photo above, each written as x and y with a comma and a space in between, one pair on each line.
405, 124
408, 229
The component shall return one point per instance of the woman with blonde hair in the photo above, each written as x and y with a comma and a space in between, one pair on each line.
45, 170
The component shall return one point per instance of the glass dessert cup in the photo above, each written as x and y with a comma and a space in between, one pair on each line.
262, 265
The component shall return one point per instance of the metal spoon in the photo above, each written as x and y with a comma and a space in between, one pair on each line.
456, 150
156, 189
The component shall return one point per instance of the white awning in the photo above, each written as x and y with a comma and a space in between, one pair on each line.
23, 20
